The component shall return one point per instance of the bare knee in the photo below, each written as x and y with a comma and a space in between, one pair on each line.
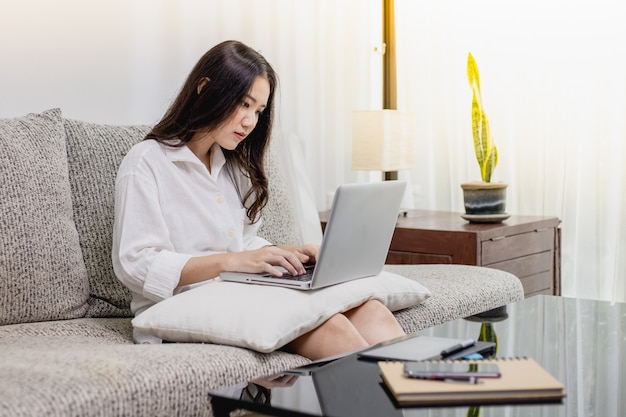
375, 322
336, 335
335, 325
375, 307
371, 311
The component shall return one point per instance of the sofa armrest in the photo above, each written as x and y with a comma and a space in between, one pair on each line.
457, 291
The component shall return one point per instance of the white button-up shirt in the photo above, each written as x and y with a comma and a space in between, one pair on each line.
169, 208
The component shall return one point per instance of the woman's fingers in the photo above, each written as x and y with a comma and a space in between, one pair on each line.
311, 251
270, 257
287, 260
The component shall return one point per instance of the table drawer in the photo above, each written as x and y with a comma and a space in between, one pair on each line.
398, 257
527, 265
537, 284
517, 246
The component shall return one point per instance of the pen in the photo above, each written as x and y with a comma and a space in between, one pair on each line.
453, 349
447, 378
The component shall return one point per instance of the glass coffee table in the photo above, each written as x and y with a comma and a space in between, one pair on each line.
580, 342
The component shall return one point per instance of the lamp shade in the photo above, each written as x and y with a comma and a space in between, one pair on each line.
383, 140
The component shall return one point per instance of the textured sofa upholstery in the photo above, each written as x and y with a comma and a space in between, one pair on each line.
65, 335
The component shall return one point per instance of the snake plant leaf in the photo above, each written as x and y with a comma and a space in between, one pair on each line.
478, 124
487, 333
484, 148
473, 76
491, 151
473, 411
490, 163
487, 144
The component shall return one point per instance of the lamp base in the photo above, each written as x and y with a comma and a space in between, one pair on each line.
393, 176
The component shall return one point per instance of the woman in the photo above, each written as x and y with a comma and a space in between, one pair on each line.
189, 198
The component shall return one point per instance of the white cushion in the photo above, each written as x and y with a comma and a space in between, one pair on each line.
265, 318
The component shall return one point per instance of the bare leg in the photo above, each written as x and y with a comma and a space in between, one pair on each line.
374, 322
336, 335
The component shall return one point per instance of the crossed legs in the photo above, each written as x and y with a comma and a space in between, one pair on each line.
367, 324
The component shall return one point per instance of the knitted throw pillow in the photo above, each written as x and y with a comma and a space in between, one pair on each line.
94, 153
42, 274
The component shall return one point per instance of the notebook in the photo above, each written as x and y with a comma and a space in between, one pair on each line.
522, 380
356, 240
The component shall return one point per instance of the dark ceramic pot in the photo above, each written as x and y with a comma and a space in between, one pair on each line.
484, 198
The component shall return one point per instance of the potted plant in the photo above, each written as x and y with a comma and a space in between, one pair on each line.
484, 201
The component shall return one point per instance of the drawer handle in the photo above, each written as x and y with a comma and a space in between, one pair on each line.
494, 239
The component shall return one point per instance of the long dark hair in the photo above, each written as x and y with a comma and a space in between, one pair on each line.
231, 68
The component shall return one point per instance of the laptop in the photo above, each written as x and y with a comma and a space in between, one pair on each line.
355, 243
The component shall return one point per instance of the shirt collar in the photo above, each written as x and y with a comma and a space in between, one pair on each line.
218, 160
184, 154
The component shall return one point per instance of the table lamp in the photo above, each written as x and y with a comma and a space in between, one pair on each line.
383, 140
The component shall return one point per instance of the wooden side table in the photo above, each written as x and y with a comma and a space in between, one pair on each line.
526, 246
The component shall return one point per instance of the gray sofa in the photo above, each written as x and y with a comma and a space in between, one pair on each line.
65, 327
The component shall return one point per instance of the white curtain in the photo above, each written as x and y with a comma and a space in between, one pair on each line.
554, 88
552, 74
323, 53
122, 62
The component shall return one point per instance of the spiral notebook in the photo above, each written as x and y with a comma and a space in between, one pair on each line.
522, 381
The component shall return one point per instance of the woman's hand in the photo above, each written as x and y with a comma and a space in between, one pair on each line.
266, 259
305, 253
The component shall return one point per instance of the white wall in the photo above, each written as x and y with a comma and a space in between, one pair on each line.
122, 61
81, 57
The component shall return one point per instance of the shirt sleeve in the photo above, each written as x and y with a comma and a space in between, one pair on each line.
143, 256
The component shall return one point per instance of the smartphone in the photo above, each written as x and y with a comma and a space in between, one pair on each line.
453, 370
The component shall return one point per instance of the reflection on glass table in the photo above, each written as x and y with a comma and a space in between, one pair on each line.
580, 342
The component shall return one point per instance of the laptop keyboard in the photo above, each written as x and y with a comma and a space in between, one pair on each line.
304, 277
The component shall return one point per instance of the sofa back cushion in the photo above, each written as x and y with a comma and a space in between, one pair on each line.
42, 274
278, 216
95, 152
